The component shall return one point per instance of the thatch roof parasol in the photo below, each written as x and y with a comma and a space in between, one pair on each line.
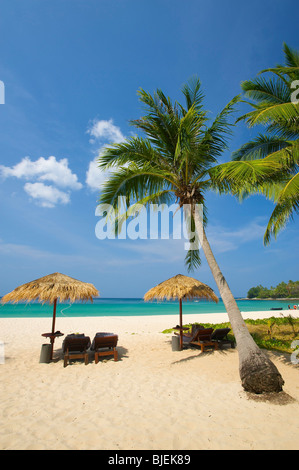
54, 286
182, 288
49, 289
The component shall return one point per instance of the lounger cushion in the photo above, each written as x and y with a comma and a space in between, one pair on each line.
104, 340
76, 343
220, 333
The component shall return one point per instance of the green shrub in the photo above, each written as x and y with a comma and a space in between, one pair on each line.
274, 333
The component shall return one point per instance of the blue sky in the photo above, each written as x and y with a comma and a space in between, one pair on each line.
71, 70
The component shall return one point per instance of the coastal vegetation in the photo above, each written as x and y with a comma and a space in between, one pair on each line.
176, 161
275, 333
283, 290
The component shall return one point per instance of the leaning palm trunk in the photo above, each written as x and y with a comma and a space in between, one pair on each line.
258, 374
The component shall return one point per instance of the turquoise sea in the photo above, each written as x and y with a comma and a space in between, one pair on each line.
133, 307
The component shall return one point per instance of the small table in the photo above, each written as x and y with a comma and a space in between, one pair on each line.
183, 328
52, 337
181, 331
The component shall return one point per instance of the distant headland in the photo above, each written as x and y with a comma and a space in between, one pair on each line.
283, 291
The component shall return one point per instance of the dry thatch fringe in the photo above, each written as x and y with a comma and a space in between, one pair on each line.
54, 286
181, 287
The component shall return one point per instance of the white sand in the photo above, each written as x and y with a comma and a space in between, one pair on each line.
152, 398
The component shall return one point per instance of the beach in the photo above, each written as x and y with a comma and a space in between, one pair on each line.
152, 398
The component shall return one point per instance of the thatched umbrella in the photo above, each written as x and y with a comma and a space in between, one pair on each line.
49, 289
182, 288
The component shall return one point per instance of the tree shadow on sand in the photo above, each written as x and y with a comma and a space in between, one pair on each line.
202, 355
281, 398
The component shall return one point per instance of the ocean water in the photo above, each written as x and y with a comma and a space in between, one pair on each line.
133, 307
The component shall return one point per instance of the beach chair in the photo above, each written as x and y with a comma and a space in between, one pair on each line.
220, 335
189, 336
202, 338
75, 347
106, 341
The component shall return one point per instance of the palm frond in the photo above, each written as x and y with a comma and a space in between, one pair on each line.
214, 140
268, 90
135, 149
160, 198
291, 56
259, 147
192, 260
161, 121
193, 94
281, 70
284, 130
285, 114
189, 134
291, 67
280, 216
271, 190
290, 192
243, 177
135, 183
274, 157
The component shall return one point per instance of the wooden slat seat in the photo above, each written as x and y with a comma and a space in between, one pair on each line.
75, 347
106, 341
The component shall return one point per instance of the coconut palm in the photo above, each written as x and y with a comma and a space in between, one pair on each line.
275, 104
174, 162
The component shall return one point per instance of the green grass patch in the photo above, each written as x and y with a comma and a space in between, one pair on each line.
268, 333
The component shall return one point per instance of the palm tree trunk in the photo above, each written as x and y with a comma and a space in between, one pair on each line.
258, 374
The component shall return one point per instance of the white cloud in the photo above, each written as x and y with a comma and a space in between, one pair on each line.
101, 131
44, 170
95, 177
106, 131
46, 196
223, 239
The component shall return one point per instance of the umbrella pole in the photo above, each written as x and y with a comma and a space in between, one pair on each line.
53, 328
181, 325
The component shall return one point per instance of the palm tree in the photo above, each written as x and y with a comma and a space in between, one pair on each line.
274, 106
174, 162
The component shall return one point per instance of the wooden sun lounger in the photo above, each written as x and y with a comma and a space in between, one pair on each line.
104, 341
75, 347
189, 334
220, 335
202, 338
